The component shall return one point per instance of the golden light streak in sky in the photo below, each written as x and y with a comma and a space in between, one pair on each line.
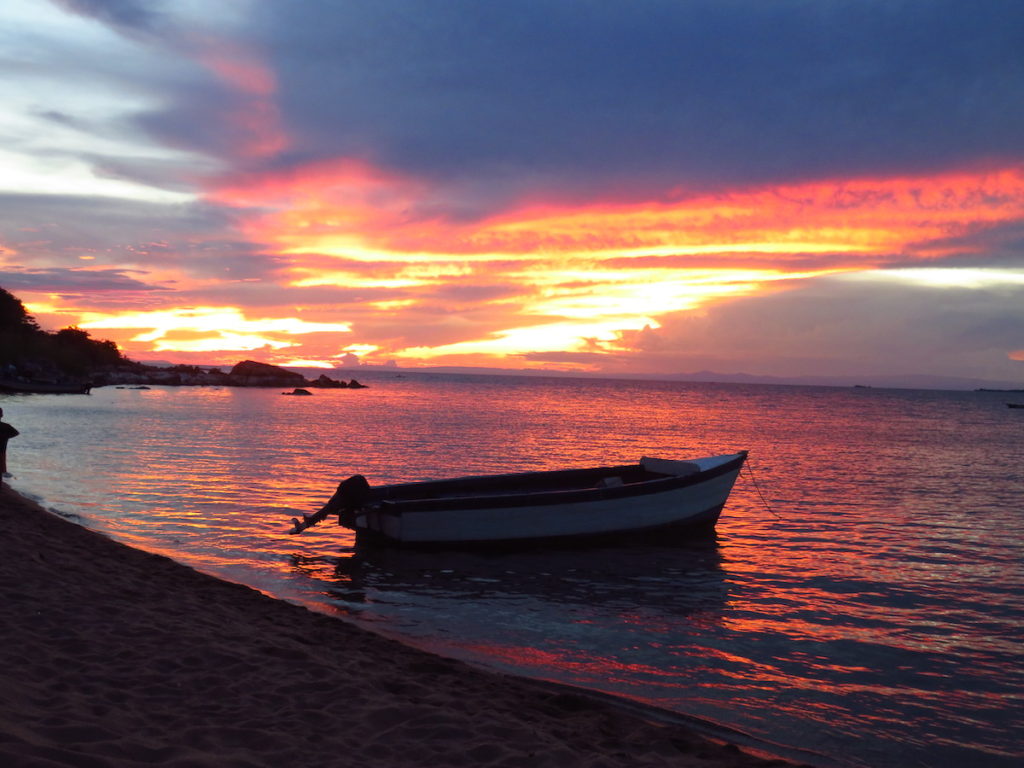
950, 278
209, 329
539, 338
368, 216
572, 274
594, 270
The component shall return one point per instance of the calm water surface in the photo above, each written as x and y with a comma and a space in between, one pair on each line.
869, 610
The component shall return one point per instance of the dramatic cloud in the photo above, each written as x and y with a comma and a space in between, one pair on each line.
547, 98
658, 186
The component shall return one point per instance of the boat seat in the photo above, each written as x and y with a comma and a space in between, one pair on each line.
610, 482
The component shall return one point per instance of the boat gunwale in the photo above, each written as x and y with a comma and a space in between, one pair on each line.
661, 484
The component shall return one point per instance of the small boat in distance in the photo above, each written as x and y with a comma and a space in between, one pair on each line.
618, 503
1015, 405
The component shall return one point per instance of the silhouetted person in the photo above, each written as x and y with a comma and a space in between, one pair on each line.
6, 433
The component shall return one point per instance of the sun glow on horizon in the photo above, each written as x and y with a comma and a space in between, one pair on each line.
540, 338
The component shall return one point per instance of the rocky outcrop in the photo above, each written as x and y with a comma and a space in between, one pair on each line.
248, 373
325, 382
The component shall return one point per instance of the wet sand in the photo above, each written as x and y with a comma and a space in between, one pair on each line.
115, 657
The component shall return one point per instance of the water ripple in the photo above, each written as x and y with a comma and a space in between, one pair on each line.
875, 614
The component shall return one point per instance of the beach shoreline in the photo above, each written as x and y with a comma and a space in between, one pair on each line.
117, 657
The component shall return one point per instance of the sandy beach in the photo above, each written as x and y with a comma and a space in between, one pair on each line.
116, 657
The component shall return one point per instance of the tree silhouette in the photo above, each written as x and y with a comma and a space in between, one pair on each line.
13, 314
69, 351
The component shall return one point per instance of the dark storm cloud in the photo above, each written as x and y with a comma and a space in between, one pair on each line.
652, 95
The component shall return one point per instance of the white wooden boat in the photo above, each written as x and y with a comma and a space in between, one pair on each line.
655, 496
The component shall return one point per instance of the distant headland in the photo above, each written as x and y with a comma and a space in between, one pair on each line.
248, 373
69, 361
39, 378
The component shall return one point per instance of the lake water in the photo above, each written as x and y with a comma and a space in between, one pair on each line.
863, 600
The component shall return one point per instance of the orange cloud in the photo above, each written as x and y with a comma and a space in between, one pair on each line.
382, 273
598, 269
350, 208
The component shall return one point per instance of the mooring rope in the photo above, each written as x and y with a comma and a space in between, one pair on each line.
750, 471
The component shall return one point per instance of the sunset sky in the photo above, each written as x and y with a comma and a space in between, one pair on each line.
782, 188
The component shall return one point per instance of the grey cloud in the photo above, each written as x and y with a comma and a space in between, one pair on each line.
65, 281
58, 230
63, 118
155, 173
163, 61
460, 292
199, 118
837, 326
983, 245
129, 16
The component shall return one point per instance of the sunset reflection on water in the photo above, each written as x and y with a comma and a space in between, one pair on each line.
872, 613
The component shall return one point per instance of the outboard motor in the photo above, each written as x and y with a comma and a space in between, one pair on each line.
351, 496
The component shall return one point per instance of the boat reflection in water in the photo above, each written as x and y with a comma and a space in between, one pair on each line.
579, 616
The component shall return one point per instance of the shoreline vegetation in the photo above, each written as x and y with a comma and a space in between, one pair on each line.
118, 658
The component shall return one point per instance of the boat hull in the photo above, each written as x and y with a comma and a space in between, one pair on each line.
687, 505
697, 528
